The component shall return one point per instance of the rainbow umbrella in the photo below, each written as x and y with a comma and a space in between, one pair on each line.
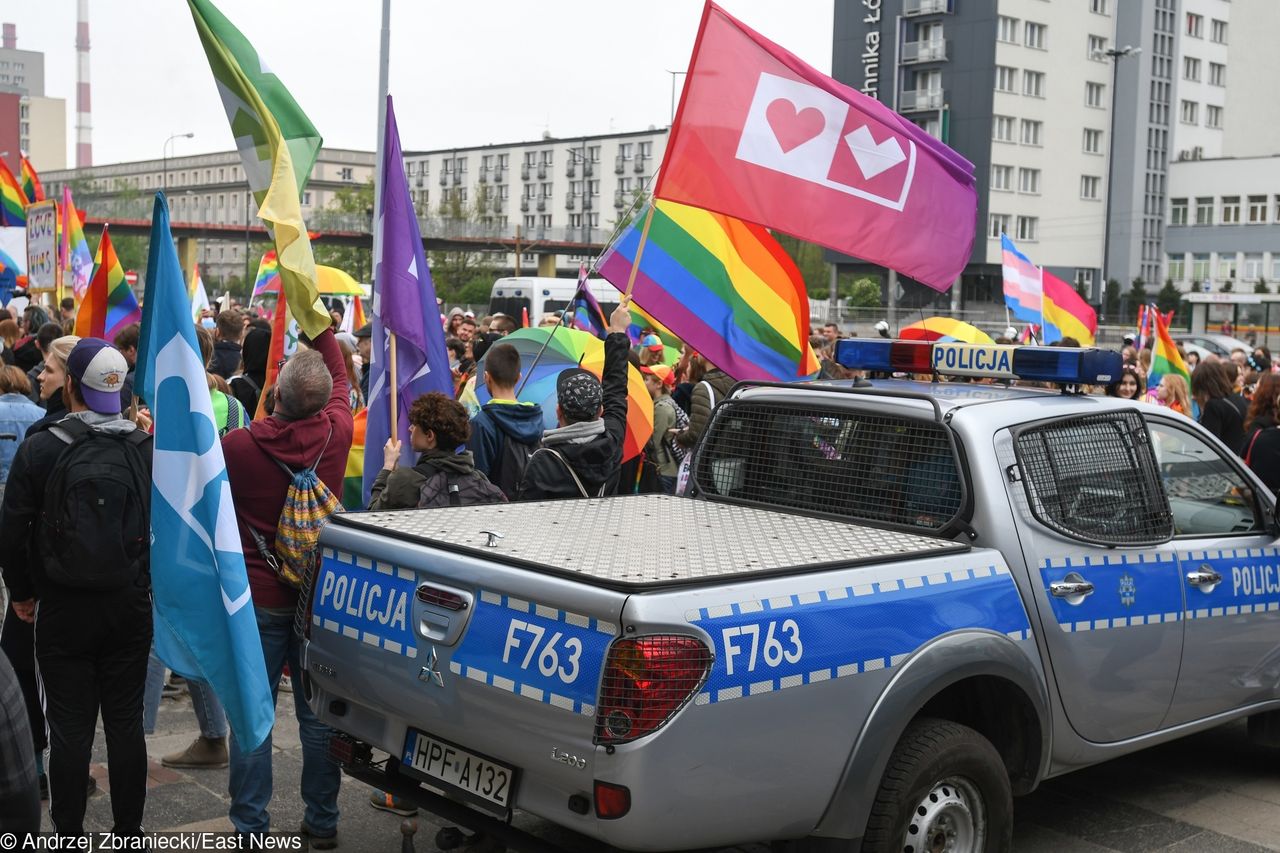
571, 348
330, 281
945, 330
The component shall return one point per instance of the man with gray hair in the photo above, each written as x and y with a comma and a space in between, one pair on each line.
310, 427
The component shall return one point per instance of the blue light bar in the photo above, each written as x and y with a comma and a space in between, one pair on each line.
1062, 365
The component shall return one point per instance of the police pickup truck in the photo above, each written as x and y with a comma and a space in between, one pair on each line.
893, 606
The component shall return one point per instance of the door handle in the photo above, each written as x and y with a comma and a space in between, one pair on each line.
1073, 588
1205, 578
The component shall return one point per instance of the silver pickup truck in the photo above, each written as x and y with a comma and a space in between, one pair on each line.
891, 607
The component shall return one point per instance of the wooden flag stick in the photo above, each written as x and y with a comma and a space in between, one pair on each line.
395, 388
635, 263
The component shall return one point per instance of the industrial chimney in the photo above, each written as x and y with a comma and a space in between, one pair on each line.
10, 41
84, 127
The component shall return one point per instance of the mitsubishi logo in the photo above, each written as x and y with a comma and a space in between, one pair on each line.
429, 672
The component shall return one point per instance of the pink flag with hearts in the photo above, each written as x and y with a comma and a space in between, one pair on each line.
763, 136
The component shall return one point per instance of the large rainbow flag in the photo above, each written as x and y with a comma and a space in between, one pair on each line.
31, 186
13, 201
723, 285
76, 259
1165, 357
109, 304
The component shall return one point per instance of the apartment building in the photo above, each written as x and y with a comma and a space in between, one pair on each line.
40, 121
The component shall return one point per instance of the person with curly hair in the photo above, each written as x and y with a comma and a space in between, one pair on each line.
442, 476
1262, 447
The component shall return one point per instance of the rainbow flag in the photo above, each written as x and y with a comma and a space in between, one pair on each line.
642, 323
1165, 357
77, 261
353, 479
585, 313
723, 285
1064, 313
31, 187
109, 304
268, 274
13, 201
356, 309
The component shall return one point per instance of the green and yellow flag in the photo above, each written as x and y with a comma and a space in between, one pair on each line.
278, 145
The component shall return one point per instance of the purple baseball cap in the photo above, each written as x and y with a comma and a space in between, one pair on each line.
100, 370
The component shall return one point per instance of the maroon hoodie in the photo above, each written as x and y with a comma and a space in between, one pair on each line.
258, 485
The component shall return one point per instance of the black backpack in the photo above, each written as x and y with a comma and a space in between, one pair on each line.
513, 458
444, 488
95, 522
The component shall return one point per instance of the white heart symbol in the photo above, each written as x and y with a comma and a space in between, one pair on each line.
873, 157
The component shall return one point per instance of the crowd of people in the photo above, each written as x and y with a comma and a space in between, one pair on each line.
79, 642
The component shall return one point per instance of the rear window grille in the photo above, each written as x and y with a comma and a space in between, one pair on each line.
1095, 478
856, 465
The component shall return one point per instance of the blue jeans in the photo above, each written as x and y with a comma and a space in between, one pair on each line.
250, 783
209, 713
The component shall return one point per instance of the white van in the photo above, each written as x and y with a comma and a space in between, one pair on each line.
511, 296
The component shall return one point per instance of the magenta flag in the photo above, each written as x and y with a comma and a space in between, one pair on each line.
765, 137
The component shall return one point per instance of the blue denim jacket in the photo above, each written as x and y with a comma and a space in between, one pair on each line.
16, 414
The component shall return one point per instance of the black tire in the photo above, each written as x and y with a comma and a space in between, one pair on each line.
932, 755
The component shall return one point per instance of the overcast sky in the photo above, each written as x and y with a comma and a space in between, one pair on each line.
463, 72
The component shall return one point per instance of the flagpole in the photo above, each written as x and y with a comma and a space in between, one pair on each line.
395, 388
635, 263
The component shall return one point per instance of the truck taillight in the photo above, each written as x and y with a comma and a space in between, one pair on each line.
646, 680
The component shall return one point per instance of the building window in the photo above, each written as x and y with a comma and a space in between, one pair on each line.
1006, 78
548, 156
1217, 74
1253, 267
1092, 141
346, 173
1200, 267
1032, 132
1195, 25
1098, 7
1257, 209
1090, 187
1035, 35
531, 158
1218, 31
306, 198
447, 167
1231, 210
1029, 181
1227, 267
593, 153
1190, 68
1033, 84
1002, 128
1204, 210
624, 150
1177, 267
1212, 116
1007, 29
1177, 211
999, 225
1028, 227
646, 149
546, 190
1190, 112
1002, 178
1094, 94
1097, 48
575, 188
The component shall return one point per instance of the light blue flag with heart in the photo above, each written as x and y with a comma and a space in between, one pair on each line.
205, 626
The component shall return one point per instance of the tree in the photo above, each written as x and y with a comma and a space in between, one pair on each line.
1137, 296
459, 272
864, 293
1228, 286
348, 203
1111, 299
1169, 298
815, 271
1260, 286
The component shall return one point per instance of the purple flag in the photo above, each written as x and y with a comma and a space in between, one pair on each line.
584, 311
404, 304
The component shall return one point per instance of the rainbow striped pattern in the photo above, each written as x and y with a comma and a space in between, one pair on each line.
77, 261
109, 304
1165, 357
13, 201
353, 478
723, 285
1065, 314
268, 274
585, 313
31, 186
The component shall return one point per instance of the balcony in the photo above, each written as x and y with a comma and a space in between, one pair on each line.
571, 169
524, 205
542, 171
934, 50
588, 169
499, 205
542, 204
925, 7
524, 172
618, 202
444, 178
499, 175
619, 165
570, 202
484, 176
586, 203
921, 100
457, 179
639, 164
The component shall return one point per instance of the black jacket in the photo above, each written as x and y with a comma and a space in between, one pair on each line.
1262, 451
226, 359
32, 468
1220, 417
700, 410
596, 462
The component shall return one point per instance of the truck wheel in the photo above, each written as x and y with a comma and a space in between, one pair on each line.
945, 789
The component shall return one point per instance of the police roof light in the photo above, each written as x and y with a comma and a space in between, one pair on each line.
1064, 365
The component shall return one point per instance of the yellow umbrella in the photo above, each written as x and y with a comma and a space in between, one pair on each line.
332, 281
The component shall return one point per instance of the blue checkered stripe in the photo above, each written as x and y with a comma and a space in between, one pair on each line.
577, 642
1250, 582
1130, 589
367, 600
766, 645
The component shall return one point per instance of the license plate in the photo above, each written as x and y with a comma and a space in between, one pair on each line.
453, 768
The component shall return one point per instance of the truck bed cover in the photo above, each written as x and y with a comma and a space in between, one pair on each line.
647, 541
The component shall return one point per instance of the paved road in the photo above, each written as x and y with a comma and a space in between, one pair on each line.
1211, 792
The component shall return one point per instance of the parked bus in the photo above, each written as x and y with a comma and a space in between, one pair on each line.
512, 296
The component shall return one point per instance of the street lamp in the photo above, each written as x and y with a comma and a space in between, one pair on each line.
165, 153
1115, 55
673, 92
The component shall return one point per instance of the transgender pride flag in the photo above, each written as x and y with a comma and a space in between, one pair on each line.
1023, 288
